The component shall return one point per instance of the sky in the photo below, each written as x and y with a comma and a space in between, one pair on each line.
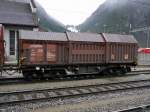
70, 12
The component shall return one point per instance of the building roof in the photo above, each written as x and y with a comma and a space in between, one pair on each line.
119, 38
15, 13
85, 37
36, 35
22, 1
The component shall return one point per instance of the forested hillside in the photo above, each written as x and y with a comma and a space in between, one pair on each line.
120, 16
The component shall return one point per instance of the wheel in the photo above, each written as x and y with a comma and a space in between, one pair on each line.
60, 73
27, 76
106, 72
128, 69
123, 70
118, 71
39, 75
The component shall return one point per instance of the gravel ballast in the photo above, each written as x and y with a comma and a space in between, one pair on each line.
51, 85
91, 103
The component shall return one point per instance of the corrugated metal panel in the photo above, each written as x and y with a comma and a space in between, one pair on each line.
87, 53
121, 52
119, 38
33, 35
33, 53
85, 37
16, 13
63, 53
51, 52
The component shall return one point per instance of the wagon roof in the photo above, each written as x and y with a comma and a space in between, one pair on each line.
85, 37
119, 38
15, 13
36, 35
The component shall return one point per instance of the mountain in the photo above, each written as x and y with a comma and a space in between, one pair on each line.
46, 22
120, 16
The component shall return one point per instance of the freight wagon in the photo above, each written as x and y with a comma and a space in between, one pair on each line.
50, 54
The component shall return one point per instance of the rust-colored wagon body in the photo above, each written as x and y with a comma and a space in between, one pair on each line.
120, 49
86, 48
55, 54
43, 48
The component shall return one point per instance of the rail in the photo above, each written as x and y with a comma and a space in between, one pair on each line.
17, 97
143, 108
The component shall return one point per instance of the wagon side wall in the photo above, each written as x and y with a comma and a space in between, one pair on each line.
41, 52
86, 53
124, 53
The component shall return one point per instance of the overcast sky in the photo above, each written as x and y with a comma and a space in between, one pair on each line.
70, 12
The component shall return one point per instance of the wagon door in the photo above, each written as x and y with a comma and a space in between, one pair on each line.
1, 45
66, 56
62, 53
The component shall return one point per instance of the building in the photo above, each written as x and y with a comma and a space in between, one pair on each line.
16, 15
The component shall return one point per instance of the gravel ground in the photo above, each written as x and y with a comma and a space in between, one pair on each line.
11, 74
91, 103
140, 68
51, 85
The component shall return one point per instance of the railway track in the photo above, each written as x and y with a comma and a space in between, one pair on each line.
143, 108
140, 71
21, 80
31, 96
